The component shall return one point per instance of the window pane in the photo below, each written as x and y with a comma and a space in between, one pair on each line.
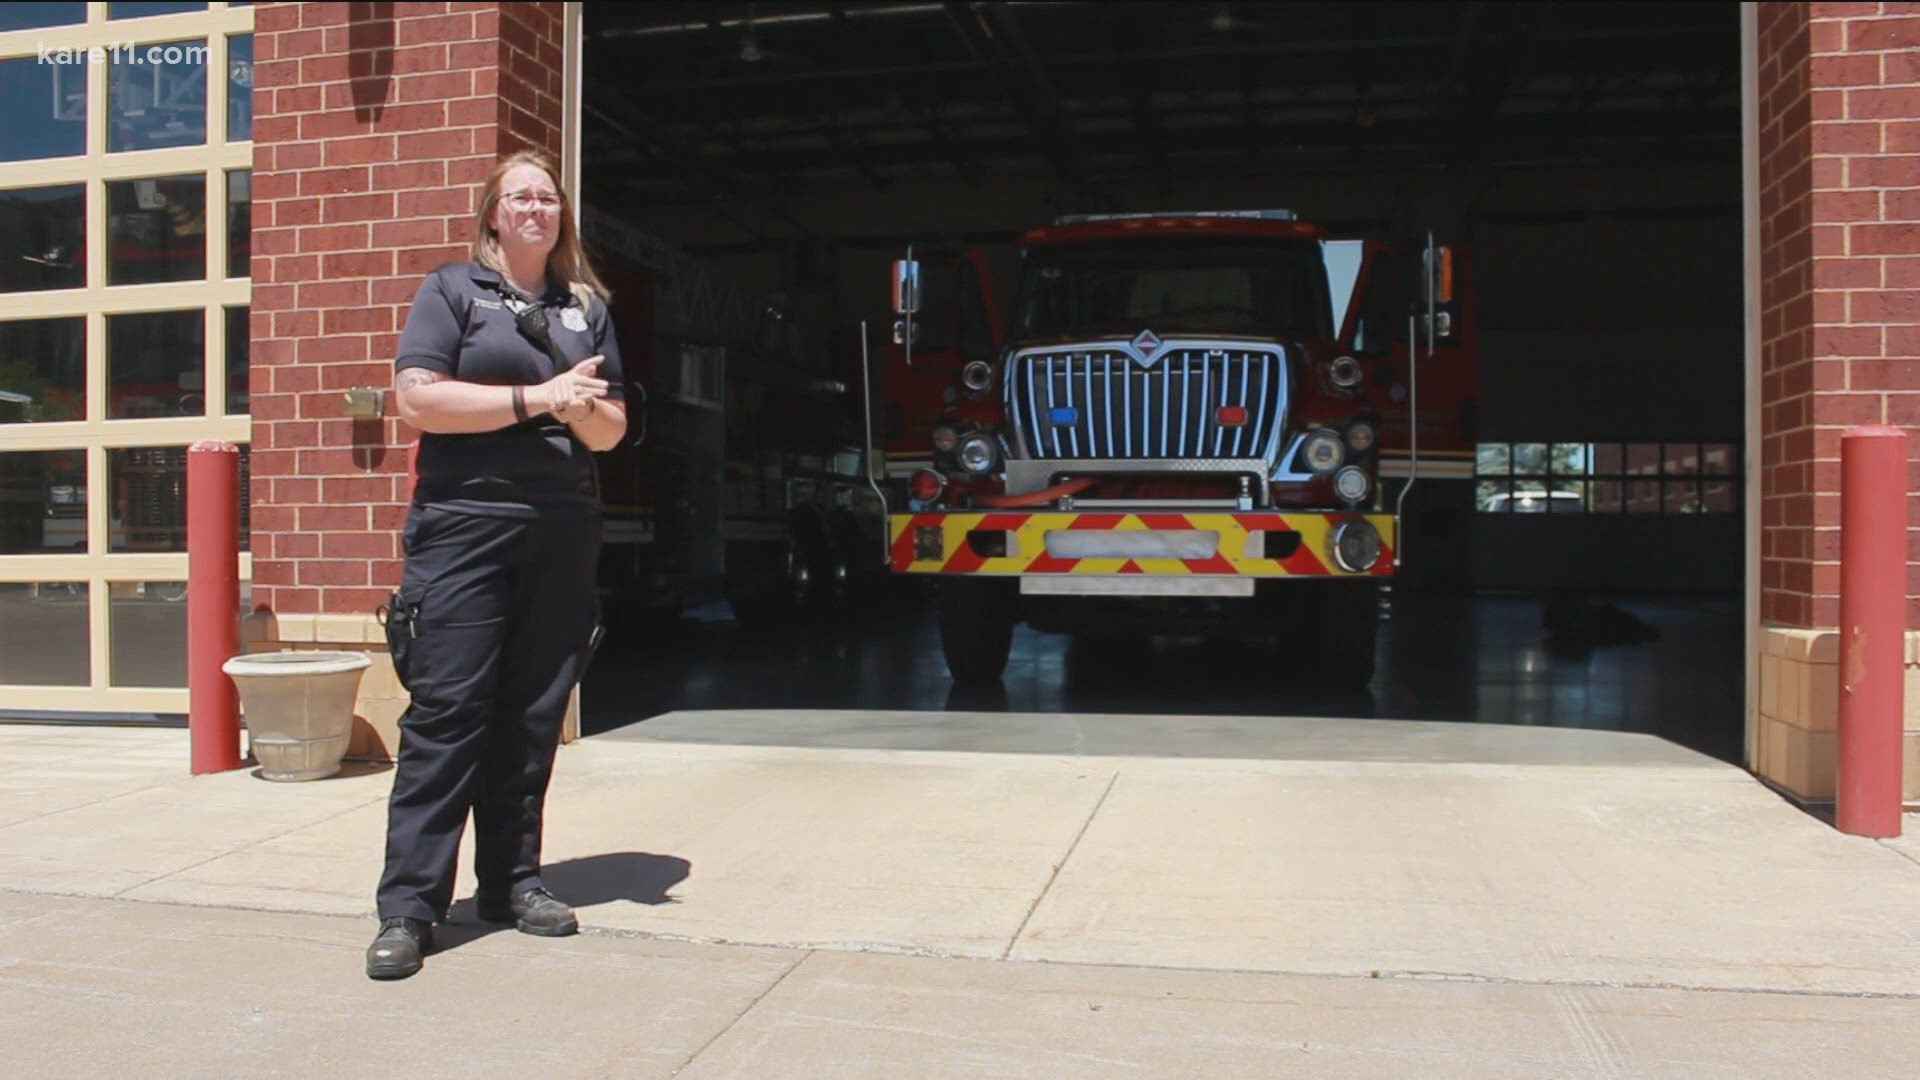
42, 238
239, 87
1491, 496
240, 223
1569, 459
1607, 496
1493, 459
1683, 496
156, 365
1568, 497
238, 396
1643, 459
1609, 459
1719, 459
1681, 459
150, 498
157, 230
147, 632
157, 95
135, 11
1530, 458
43, 370
46, 106
43, 501
1643, 497
43, 633
1717, 497
33, 16
1529, 498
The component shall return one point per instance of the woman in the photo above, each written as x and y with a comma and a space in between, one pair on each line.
509, 368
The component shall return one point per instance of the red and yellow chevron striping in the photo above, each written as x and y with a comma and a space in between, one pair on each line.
1263, 544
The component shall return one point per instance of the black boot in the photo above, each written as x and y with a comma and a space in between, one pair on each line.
397, 949
534, 911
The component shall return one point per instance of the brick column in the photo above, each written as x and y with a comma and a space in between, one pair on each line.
373, 125
1839, 115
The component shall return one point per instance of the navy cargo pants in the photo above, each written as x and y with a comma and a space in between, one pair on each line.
502, 612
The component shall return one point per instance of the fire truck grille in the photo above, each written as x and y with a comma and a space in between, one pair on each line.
1191, 403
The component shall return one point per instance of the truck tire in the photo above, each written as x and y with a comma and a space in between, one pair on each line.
976, 628
1350, 632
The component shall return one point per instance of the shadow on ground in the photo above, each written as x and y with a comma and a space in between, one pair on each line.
637, 877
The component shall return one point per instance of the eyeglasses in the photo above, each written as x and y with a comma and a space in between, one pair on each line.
527, 200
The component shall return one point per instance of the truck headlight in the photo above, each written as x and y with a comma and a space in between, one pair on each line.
1355, 545
1360, 436
1345, 372
1324, 451
945, 438
978, 375
1351, 484
977, 453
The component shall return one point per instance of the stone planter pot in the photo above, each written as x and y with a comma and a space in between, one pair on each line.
299, 709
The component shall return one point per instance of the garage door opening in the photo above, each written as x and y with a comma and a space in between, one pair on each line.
1574, 537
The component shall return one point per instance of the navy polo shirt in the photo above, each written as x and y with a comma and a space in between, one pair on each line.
460, 325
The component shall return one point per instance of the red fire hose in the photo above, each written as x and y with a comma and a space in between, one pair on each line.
1035, 498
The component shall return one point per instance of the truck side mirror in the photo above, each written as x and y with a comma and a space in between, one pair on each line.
1445, 329
906, 286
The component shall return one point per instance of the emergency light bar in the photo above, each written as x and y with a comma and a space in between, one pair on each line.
1253, 215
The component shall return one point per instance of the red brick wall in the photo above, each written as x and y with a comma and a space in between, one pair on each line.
373, 125
1839, 113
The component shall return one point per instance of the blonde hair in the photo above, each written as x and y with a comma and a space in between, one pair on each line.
567, 262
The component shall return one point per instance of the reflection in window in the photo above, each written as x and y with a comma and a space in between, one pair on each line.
157, 95
34, 16
240, 88
136, 11
149, 510
46, 107
1609, 478
157, 229
43, 238
43, 501
43, 370
156, 363
43, 633
147, 633
237, 346
150, 498
240, 223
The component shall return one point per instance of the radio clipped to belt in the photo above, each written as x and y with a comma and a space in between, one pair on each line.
402, 622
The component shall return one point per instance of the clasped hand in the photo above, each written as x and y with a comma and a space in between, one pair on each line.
569, 395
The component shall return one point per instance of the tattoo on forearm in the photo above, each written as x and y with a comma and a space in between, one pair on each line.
416, 377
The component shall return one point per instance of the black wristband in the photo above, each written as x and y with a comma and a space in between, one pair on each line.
520, 403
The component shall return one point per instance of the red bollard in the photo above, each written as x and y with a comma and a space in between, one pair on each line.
213, 604
1873, 600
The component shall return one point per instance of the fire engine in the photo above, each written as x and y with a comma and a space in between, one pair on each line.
1197, 420
742, 477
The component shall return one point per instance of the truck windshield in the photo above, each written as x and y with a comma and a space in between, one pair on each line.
1256, 286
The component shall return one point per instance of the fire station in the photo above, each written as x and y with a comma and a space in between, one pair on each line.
1485, 363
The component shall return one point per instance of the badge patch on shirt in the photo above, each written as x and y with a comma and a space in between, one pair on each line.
490, 305
574, 319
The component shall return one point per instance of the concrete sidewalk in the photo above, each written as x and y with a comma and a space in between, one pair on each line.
1660, 914
126, 989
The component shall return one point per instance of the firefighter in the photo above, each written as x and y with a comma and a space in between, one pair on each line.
509, 367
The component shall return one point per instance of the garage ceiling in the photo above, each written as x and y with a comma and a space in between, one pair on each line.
695, 103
